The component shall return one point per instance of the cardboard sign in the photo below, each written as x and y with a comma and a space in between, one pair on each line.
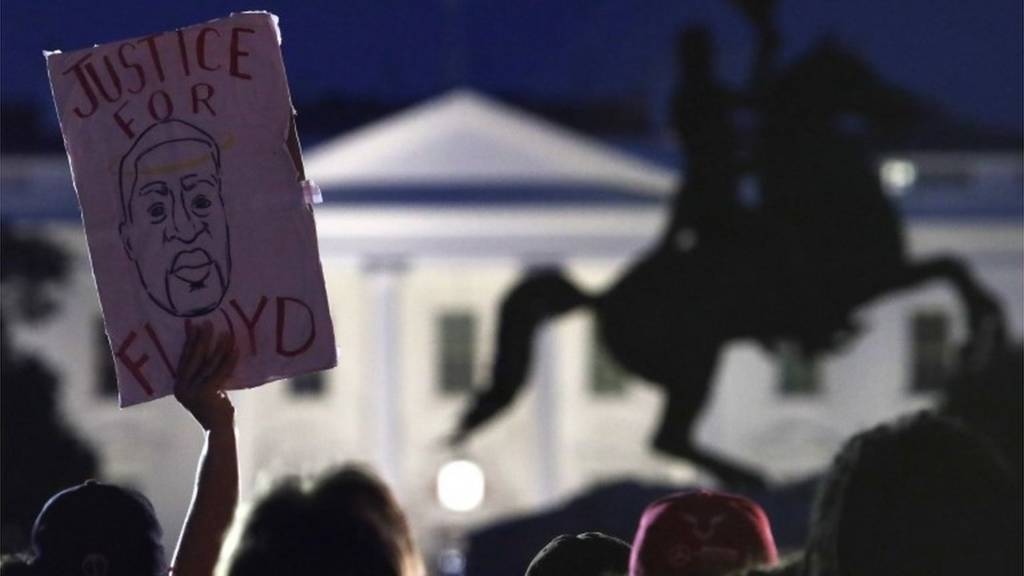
188, 171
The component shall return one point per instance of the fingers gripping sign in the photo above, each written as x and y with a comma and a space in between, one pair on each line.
204, 369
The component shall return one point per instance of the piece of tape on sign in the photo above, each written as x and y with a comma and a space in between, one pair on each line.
311, 192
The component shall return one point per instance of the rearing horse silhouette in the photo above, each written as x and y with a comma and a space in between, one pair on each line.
791, 263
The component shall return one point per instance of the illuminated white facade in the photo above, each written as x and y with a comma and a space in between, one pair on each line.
394, 270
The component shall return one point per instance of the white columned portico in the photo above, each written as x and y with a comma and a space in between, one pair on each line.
544, 378
384, 275
547, 409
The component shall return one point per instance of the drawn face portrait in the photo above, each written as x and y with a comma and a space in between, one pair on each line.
175, 228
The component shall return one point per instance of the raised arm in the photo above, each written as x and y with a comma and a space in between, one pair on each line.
207, 362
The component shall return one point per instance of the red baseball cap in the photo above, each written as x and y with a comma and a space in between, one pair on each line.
701, 534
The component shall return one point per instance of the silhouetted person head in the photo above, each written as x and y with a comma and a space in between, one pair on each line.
920, 496
97, 529
588, 554
701, 534
988, 399
173, 223
347, 523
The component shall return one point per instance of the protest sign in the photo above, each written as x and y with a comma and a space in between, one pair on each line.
187, 168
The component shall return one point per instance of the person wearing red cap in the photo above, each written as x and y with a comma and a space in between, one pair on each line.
701, 533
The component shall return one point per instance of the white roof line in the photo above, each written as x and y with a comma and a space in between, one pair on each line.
463, 137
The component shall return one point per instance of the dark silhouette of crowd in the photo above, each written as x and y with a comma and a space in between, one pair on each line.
932, 494
922, 495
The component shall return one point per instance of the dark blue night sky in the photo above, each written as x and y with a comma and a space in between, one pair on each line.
965, 55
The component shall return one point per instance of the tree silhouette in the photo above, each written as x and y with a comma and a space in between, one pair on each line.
40, 453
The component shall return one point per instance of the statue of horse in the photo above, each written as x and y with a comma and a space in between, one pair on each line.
789, 262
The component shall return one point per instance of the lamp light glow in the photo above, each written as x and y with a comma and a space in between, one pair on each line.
460, 485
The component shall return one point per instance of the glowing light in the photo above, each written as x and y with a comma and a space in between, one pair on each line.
898, 175
452, 561
460, 485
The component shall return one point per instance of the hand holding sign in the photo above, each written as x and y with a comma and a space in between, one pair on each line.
207, 362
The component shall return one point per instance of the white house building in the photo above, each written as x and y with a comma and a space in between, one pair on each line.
428, 218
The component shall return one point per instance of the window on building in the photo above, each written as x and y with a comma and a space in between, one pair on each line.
106, 376
798, 373
931, 350
311, 384
457, 338
607, 377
